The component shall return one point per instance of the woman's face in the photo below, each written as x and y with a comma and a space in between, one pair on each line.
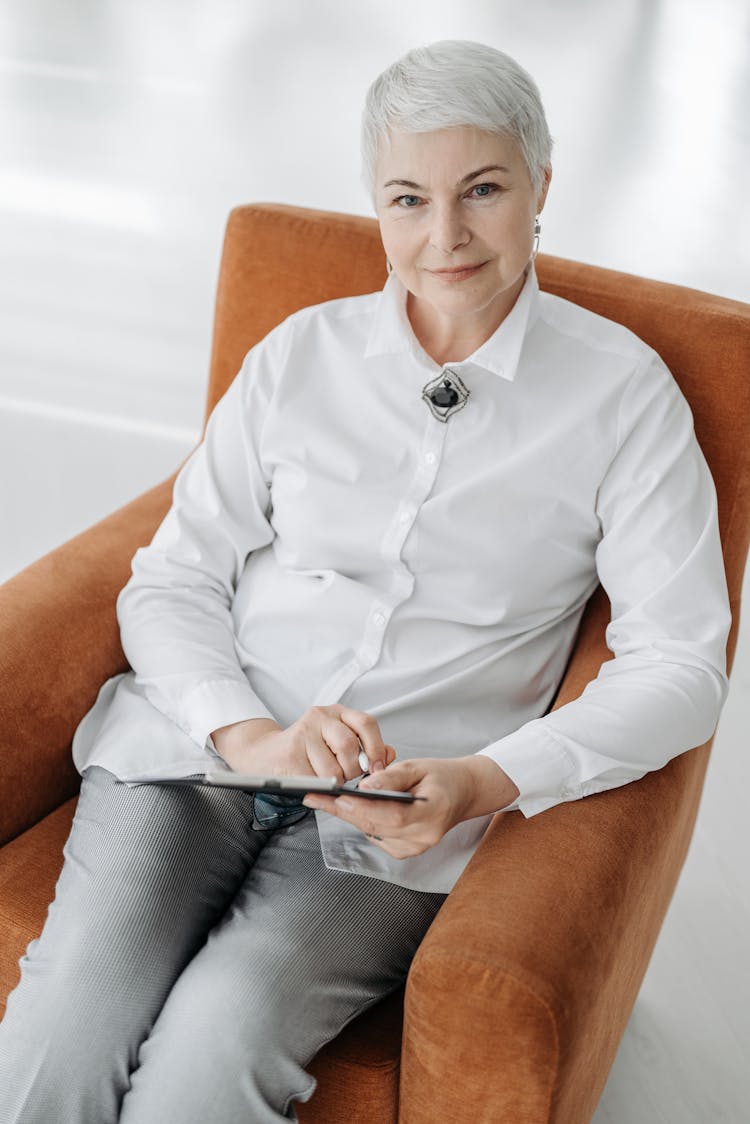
456, 209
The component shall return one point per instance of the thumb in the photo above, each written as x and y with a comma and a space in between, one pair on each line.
390, 757
399, 775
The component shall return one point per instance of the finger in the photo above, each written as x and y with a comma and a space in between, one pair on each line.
323, 760
337, 806
320, 803
344, 745
384, 821
331, 805
368, 731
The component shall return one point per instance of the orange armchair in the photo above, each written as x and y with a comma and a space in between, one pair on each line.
519, 994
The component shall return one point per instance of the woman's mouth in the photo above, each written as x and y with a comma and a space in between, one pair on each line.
457, 273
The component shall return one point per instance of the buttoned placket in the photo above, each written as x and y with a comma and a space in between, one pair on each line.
402, 585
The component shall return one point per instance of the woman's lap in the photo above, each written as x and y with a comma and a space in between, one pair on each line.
301, 952
255, 955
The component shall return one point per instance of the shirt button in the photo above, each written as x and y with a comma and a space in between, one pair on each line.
405, 516
429, 458
379, 619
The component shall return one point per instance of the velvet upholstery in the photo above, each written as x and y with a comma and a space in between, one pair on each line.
519, 994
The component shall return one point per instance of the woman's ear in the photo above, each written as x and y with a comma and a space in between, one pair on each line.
542, 197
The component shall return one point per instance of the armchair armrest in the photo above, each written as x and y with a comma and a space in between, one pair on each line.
541, 947
59, 641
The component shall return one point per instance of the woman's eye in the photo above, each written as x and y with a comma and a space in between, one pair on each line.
408, 200
482, 190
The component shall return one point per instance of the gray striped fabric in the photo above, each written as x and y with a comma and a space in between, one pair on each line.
191, 966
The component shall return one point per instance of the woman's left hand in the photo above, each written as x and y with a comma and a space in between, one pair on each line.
404, 830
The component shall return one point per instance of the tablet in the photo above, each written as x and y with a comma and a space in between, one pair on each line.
280, 786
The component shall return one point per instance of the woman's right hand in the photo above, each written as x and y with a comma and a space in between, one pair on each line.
325, 741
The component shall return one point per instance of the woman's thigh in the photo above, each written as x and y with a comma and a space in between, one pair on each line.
147, 872
301, 951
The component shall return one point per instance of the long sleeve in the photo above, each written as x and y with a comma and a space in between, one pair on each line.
175, 612
659, 559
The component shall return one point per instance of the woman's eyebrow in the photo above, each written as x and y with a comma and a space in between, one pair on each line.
482, 171
471, 176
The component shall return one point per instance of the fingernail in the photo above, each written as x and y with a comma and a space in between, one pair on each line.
342, 802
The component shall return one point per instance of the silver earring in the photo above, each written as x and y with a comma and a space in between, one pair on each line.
537, 232
388, 266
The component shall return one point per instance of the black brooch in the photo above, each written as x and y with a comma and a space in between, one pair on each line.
446, 394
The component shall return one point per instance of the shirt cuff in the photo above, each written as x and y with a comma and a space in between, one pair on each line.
220, 703
538, 766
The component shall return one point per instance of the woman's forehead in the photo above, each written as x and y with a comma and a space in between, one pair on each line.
456, 150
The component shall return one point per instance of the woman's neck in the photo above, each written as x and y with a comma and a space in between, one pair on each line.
451, 339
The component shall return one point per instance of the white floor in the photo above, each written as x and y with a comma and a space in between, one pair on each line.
128, 130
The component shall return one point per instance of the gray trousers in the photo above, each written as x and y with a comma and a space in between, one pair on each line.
191, 966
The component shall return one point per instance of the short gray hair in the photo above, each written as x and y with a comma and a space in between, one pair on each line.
456, 82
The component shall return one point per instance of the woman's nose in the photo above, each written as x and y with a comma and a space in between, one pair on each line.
448, 231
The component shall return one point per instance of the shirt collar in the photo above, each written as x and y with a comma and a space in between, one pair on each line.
392, 334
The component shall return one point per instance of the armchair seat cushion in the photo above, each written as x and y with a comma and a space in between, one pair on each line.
29, 868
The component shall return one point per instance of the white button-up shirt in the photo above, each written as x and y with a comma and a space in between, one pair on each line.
332, 541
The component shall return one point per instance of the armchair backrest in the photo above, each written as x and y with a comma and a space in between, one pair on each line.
279, 258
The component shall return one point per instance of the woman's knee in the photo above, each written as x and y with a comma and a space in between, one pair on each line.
218, 1043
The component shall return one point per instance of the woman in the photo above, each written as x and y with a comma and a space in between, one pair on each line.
400, 508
